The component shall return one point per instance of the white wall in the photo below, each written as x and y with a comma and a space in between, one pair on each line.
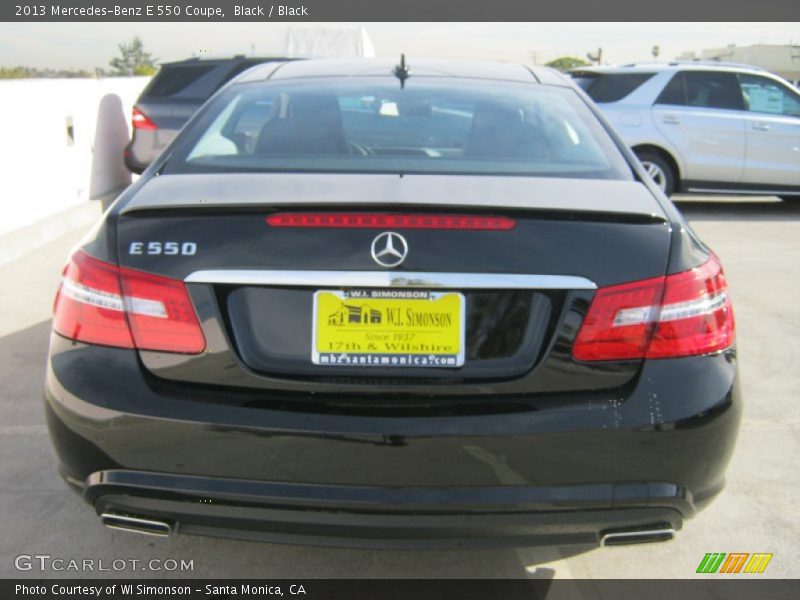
42, 173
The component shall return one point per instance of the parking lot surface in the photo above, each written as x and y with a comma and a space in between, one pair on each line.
759, 244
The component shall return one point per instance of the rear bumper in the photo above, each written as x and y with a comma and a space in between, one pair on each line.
145, 147
132, 163
358, 516
557, 475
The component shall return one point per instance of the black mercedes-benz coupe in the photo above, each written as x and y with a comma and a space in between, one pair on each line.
360, 303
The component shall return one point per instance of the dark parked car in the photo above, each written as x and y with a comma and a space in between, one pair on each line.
172, 97
353, 304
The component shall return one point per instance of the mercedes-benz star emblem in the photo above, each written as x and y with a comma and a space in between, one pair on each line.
389, 249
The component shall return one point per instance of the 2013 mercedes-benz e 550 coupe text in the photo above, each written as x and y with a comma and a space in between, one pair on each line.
360, 303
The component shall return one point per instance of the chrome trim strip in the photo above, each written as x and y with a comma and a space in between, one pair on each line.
389, 279
648, 534
744, 192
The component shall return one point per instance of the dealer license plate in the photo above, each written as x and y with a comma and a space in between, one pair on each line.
388, 328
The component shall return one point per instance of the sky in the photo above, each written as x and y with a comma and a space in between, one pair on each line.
89, 45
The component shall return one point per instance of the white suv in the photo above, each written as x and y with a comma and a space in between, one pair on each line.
704, 127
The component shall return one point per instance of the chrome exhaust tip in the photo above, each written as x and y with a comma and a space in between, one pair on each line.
142, 525
636, 536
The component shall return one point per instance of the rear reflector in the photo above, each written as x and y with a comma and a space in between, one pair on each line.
99, 303
684, 314
139, 120
389, 221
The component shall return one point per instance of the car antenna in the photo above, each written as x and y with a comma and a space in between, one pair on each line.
401, 71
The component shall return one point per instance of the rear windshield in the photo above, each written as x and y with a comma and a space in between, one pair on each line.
372, 125
172, 80
186, 81
610, 87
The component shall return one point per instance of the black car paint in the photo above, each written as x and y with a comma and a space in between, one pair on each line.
514, 471
226, 450
230, 314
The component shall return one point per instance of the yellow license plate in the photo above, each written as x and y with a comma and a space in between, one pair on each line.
388, 328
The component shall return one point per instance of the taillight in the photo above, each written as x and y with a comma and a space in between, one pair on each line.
684, 314
367, 220
619, 323
696, 315
160, 313
89, 306
139, 120
99, 303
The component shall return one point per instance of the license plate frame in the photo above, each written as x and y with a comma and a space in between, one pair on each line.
435, 340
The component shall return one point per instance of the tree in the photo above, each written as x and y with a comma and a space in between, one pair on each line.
21, 72
16, 73
565, 63
133, 60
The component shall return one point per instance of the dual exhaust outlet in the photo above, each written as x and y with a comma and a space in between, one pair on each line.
143, 525
620, 537
161, 528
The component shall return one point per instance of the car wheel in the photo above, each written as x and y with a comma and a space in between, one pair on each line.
659, 170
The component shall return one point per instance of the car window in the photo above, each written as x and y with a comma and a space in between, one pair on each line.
764, 95
610, 87
674, 92
170, 79
712, 89
372, 125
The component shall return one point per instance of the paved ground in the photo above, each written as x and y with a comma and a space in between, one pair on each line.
759, 242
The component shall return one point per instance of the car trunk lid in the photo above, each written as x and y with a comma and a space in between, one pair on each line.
521, 290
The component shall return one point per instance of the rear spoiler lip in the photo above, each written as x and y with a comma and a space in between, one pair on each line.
267, 209
555, 197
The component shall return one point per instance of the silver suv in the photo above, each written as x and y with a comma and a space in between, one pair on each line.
704, 127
